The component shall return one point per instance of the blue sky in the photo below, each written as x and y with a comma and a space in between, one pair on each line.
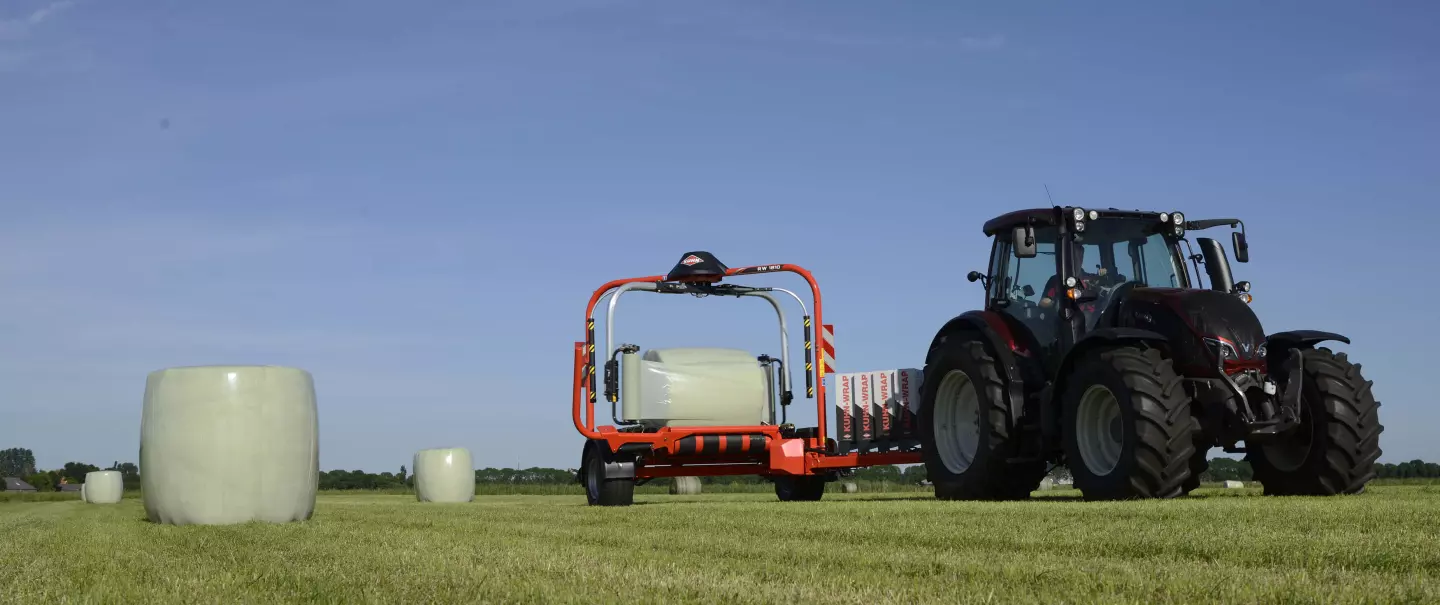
414, 203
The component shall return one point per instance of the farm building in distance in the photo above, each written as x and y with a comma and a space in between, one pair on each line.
14, 484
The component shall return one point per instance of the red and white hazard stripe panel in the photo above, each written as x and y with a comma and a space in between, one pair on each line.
827, 349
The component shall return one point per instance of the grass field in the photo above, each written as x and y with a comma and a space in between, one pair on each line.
1217, 546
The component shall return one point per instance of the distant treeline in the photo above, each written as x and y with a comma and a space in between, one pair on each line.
1224, 468
20, 462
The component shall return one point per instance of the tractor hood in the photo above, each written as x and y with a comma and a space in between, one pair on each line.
1214, 314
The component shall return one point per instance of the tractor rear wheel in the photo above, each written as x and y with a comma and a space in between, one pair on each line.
600, 491
967, 435
808, 488
1333, 450
1129, 433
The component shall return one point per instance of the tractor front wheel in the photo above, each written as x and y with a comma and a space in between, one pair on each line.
1333, 450
1129, 433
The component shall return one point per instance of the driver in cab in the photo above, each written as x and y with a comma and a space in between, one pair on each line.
1087, 280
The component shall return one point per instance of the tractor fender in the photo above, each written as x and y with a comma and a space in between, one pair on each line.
1050, 412
1301, 339
1279, 345
996, 333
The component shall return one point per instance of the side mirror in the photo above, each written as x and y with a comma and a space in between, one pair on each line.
1023, 241
1242, 249
1028, 290
973, 276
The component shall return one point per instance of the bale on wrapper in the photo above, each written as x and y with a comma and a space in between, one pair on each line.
229, 444
685, 486
444, 475
1232, 484
102, 487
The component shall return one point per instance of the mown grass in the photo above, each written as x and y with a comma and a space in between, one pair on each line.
1217, 546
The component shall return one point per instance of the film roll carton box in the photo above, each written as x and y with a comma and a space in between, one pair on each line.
884, 406
845, 410
864, 405
907, 398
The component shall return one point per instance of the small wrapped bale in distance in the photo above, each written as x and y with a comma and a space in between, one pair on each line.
1231, 484
102, 487
229, 444
1046, 484
444, 475
850, 488
685, 486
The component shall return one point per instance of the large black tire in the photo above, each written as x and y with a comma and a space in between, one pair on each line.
600, 491
966, 433
1333, 450
807, 488
1199, 463
1150, 414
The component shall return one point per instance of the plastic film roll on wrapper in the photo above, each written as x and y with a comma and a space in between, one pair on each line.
229, 444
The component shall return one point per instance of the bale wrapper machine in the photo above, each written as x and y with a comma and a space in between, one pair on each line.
703, 411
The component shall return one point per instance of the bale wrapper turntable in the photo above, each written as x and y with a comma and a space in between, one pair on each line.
715, 411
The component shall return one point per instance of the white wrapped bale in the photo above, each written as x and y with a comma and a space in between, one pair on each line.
444, 475
102, 487
701, 386
221, 445
685, 486
849, 488
1231, 484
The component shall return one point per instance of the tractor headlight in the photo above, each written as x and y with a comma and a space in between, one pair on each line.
1164, 217
1224, 349
1094, 215
1079, 214
1260, 350
1178, 218
1079, 226
1070, 282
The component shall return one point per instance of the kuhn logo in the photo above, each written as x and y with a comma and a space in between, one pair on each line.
691, 261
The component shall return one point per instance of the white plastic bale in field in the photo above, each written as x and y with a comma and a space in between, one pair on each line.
685, 486
102, 487
229, 444
849, 488
444, 475
1231, 484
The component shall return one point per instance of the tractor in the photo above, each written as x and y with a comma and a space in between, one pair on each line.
1097, 349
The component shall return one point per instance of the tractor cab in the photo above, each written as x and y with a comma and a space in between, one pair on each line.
1063, 273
